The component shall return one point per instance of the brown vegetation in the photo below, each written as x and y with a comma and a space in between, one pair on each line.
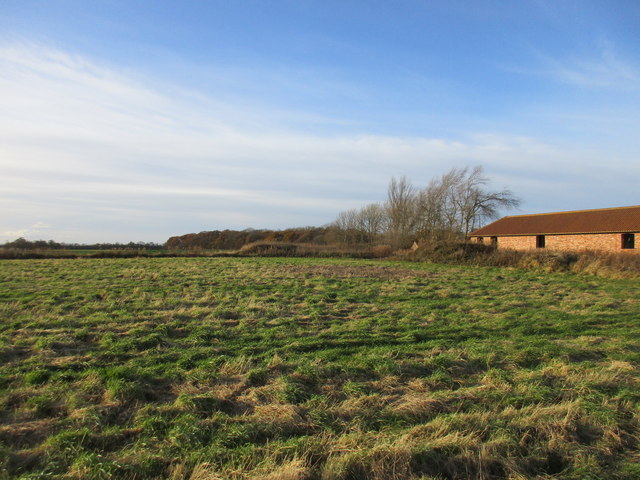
234, 239
605, 264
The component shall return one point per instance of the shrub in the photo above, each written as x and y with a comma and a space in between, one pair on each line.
269, 249
381, 251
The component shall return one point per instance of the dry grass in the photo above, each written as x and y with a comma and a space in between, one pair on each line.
314, 369
295, 469
282, 249
604, 264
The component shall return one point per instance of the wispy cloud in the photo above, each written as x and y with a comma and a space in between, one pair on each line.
106, 155
604, 69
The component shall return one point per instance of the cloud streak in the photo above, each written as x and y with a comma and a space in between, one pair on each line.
105, 155
604, 69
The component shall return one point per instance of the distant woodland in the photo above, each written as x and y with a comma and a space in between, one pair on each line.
24, 244
234, 239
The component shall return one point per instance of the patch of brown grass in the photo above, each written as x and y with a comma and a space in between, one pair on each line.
294, 469
417, 407
284, 417
29, 433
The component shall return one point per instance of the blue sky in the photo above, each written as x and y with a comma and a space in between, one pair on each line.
137, 120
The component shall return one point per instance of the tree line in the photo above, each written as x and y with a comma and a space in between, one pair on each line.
448, 208
236, 239
24, 244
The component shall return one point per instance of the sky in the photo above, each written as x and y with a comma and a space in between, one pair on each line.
137, 120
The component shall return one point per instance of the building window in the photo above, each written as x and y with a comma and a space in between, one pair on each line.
494, 241
480, 240
539, 241
628, 240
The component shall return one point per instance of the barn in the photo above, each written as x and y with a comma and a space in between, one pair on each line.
606, 229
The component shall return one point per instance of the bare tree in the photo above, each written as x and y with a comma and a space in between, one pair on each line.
432, 208
401, 210
458, 202
372, 220
476, 204
348, 225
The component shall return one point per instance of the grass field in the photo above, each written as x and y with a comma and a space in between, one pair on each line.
234, 368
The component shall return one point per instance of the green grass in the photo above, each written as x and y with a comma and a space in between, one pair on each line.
216, 368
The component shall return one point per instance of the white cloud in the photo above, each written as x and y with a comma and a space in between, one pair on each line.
40, 226
12, 234
100, 154
34, 230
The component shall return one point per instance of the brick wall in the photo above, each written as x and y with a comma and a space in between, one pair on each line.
517, 243
611, 242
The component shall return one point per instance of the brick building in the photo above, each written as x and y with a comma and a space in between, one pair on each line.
609, 229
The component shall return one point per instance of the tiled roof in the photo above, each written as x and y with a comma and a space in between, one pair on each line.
605, 220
